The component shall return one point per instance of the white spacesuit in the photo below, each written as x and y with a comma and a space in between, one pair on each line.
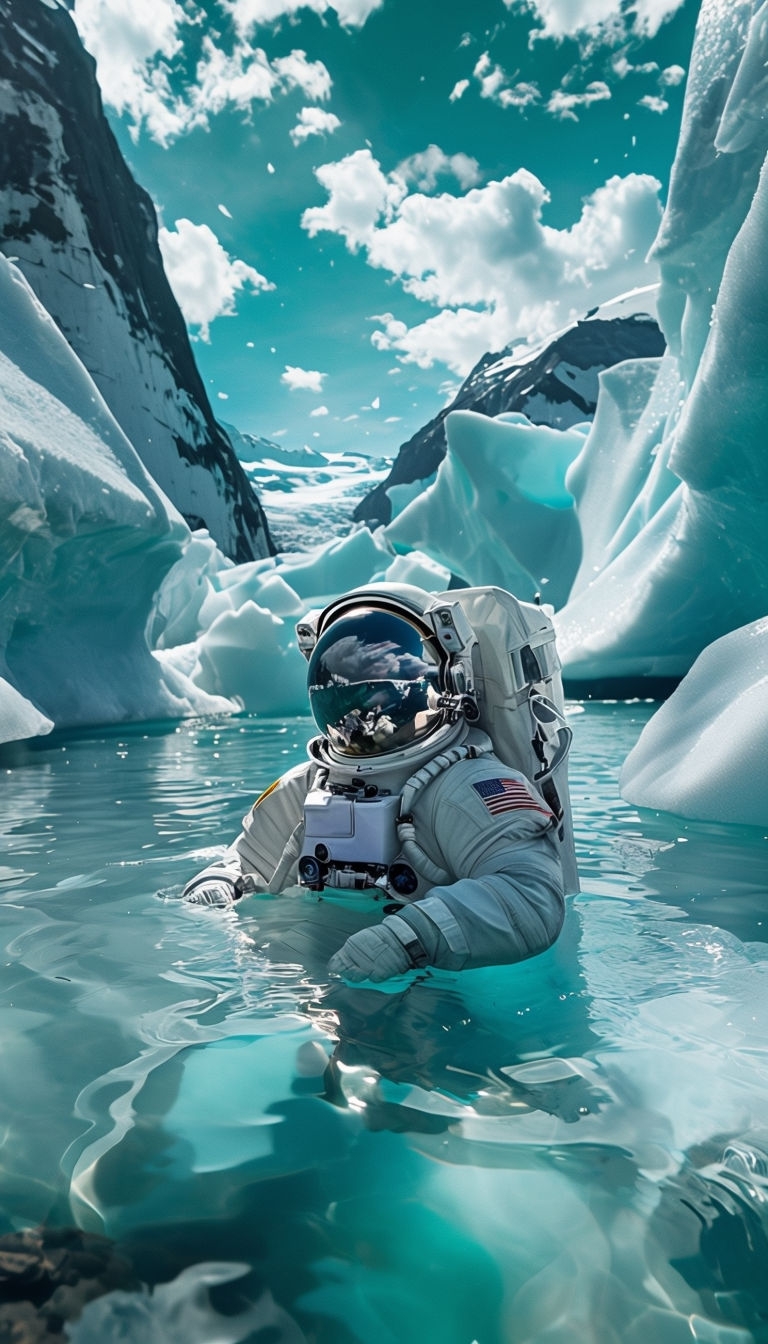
435, 713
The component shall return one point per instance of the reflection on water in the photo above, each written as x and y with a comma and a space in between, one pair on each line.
570, 1149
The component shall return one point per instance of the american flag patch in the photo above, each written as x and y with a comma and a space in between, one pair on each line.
507, 795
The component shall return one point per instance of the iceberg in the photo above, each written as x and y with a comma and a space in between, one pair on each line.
498, 511
87, 537
230, 629
686, 561
703, 754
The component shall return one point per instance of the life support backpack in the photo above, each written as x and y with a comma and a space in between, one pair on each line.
503, 656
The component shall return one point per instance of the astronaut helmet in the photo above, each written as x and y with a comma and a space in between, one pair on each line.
377, 675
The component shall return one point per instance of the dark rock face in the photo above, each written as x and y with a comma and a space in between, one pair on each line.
85, 236
555, 385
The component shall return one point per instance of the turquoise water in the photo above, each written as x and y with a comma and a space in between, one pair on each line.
575, 1149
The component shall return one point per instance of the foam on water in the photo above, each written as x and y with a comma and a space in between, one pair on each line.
573, 1148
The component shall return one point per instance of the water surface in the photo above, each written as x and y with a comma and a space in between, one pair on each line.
571, 1149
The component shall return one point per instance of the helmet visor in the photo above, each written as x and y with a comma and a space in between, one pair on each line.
374, 683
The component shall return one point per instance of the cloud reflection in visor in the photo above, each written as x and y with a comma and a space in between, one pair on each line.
374, 683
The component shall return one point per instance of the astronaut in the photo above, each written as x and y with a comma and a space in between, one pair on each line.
404, 795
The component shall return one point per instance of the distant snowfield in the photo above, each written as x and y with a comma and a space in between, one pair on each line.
310, 496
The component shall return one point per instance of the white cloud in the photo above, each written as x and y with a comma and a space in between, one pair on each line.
563, 104
250, 14
672, 75
132, 46
487, 261
313, 121
599, 20
203, 277
454, 337
319, 410
622, 66
520, 95
302, 380
458, 90
653, 103
359, 195
139, 48
423, 169
491, 76
496, 84
296, 72
224, 211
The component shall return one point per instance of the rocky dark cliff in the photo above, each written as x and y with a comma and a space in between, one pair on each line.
85, 236
556, 384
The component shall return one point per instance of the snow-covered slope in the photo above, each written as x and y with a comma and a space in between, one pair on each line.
86, 538
85, 236
554, 383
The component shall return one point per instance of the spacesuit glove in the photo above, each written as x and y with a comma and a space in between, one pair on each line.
216, 891
372, 954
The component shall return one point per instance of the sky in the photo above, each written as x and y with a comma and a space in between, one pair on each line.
358, 200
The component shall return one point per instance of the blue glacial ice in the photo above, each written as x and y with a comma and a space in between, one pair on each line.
87, 538
704, 752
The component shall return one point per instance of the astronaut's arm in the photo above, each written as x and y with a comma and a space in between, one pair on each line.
222, 882
507, 905
263, 856
511, 907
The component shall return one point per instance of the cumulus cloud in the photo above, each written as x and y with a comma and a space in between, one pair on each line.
204, 278
425, 168
302, 380
454, 337
359, 196
140, 50
313, 121
672, 75
486, 260
600, 21
459, 88
563, 104
250, 14
319, 410
132, 47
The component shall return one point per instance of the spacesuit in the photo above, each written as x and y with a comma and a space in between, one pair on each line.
404, 797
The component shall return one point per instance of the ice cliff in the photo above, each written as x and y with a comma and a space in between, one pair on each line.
672, 487
85, 236
86, 538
